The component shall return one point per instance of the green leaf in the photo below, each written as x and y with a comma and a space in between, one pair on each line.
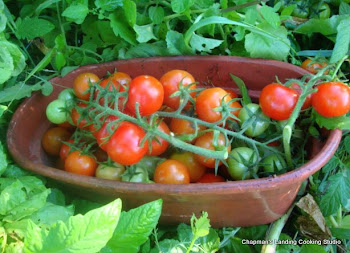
13, 171
19, 91
122, 29
50, 214
108, 5
341, 233
342, 41
286, 248
344, 8
209, 243
200, 227
341, 122
179, 6
337, 194
130, 12
3, 159
202, 44
176, 44
169, 246
156, 13
3, 18
80, 234
312, 248
12, 61
82, 206
270, 16
30, 28
147, 50
264, 47
134, 228
76, 13
237, 246
243, 89
332, 164
144, 33
11, 196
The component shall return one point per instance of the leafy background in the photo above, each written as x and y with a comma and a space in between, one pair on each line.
46, 38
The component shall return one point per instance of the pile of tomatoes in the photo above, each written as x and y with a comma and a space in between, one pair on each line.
170, 131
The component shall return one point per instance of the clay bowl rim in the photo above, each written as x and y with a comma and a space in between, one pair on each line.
297, 175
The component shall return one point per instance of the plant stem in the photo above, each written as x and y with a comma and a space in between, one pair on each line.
191, 245
333, 221
275, 232
338, 67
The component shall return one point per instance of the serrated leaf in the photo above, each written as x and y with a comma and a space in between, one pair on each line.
179, 6
80, 234
260, 46
344, 8
76, 13
337, 194
108, 5
11, 196
200, 226
176, 44
122, 29
134, 228
144, 33
147, 50
18, 91
346, 143
332, 164
270, 16
341, 122
203, 44
30, 28
130, 12
156, 13
342, 41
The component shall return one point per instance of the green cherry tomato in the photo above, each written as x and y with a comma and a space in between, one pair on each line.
136, 174
110, 171
259, 125
242, 162
273, 163
55, 112
66, 95
321, 11
301, 11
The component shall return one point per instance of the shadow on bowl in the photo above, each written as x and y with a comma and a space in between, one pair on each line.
229, 204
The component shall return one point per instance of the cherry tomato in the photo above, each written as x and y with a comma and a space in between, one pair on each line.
55, 111
159, 145
211, 178
101, 155
232, 93
301, 11
307, 103
111, 84
273, 163
81, 85
313, 67
81, 164
277, 101
171, 172
207, 141
65, 149
148, 92
260, 124
209, 99
184, 127
67, 95
121, 77
322, 11
124, 146
52, 140
103, 134
242, 162
67, 126
80, 121
331, 99
195, 169
110, 171
171, 81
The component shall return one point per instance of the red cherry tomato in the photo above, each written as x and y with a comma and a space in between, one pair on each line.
331, 99
207, 141
211, 98
232, 93
171, 81
121, 77
148, 92
80, 121
81, 85
78, 163
211, 178
52, 140
171, 172
278, 101
65, 150
195, 169
112, 85
183, 127
160, 146
124, 146
307, 103
313, 67
103, 134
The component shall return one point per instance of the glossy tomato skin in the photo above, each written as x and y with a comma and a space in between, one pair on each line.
121, 77
65, 149
171, 172
313, 67
110, 171
211, 178
124, 146
277, 101
111, 85
78, 120
195, 169
332, 99
160, 146
55, 111
171, 81
81, 164
52, 140
209, 99
261, 122
241, 163
183, 127
273, 163
207, 141
307, 103
81, 85
103, 134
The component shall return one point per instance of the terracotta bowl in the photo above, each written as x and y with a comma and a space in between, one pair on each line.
229, 204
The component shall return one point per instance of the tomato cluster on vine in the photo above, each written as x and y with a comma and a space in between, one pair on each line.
170, 130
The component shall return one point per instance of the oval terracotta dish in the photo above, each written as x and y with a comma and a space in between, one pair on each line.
229, 204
